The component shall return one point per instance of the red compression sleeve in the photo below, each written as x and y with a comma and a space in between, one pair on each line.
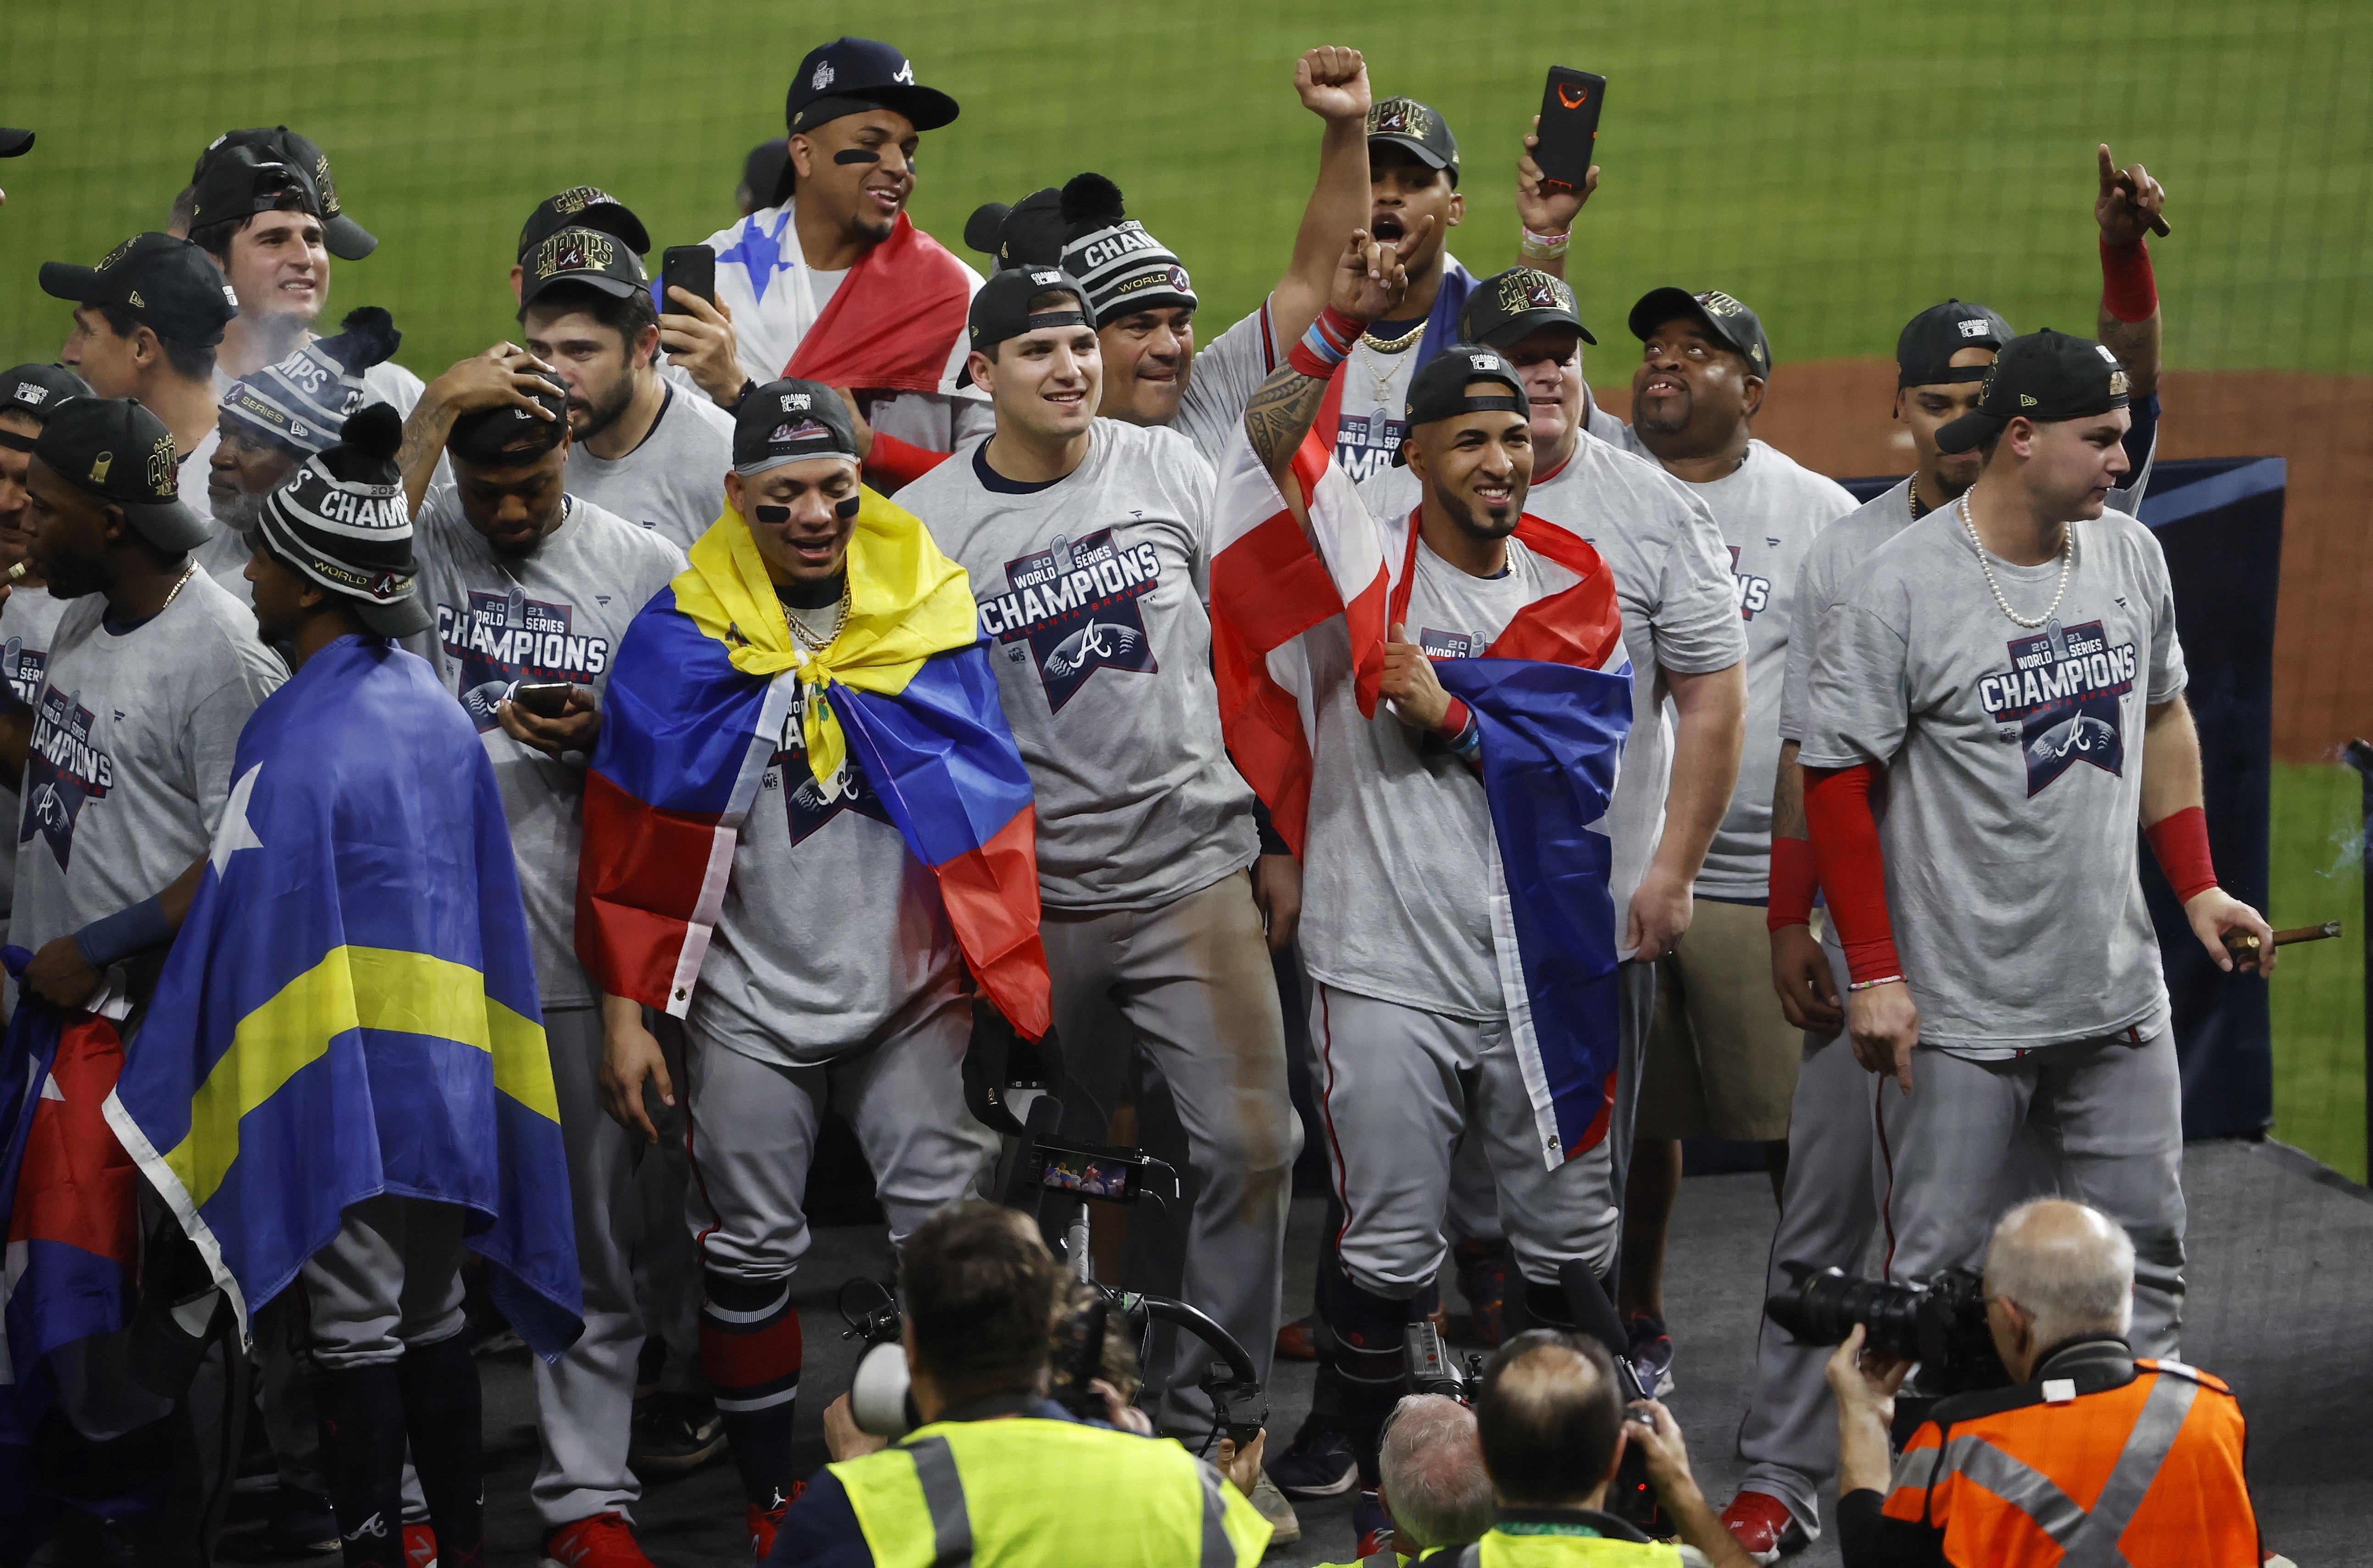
2128, 290
1854, 872
1792, 876
902, 462
2180, 839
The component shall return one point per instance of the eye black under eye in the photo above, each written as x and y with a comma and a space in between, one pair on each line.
774, 514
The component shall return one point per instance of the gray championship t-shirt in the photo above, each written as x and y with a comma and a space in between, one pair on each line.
780, 985
673, 482
1221, 382
1770, 510
1091, 592
133, 740
554, 615
1398, 871
29, 623
2014, 765
1673, 585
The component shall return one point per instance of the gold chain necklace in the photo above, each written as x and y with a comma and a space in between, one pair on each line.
1917, 506
187, 573
1383, 378
807, 635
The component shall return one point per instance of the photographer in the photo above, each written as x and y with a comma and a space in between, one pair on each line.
1430, 1481
1553, 1434
995, 1472
1991, 1477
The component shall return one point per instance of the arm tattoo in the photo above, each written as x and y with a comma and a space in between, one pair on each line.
2136, 344
1281, 413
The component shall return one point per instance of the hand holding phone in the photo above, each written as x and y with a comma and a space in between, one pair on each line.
691, 268
545, 699
1569, 128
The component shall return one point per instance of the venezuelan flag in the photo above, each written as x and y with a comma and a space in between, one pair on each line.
350, 1008
698, 694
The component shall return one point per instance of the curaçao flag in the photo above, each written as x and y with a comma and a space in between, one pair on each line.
1554, 714
699, 691
350, 1008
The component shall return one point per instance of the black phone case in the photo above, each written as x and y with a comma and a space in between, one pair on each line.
689, 267
1569, 132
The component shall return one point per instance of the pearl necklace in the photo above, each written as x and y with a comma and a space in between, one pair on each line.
2067, 560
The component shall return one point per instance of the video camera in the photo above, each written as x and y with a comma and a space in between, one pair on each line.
1939, 1322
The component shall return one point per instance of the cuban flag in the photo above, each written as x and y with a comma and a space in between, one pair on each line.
700, 692
1553, 712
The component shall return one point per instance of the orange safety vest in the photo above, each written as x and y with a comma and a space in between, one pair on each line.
2103, 1466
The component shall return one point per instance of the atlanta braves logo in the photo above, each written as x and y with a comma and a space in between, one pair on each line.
2064, 690
1075, 605
810, 803
64, 768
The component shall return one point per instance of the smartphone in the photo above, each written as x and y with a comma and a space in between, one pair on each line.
1088, 1170
691, 268
545, 699
1568, 132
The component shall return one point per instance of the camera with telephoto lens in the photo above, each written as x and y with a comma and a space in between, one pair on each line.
1939, 1322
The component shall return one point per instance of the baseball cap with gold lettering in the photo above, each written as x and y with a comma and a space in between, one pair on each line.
119, 451
1506, 307
583, 255
2045, 376
168, 286
583, 206
1406, 123
1725, 317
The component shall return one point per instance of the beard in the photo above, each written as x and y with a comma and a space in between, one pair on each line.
1672, 415
1490, 525
239, 514
600, 417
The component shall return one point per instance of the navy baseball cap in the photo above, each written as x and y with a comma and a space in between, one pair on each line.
583, 206
1923, 354
119, 451
1506, 307
1001, 308
1438, 391
790, 421
168, 286
225, 185
35, 392
849, 75
1406, 123
2044, 376
1729, 321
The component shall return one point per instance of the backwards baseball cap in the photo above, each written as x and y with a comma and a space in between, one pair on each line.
1505, 308
1122, 267
1729, 321
583, 255
35, 392
14, 143
1923, 354
790, 421
342, 524
1406, 123
849, 75
303, 402
762, 171
1027, 234
2044, 376
119, 451
168, 286
1438, 391
583, 206
509, 435
1002, 309
226, 184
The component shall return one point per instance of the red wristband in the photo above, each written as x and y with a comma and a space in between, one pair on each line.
1454, 720
1792, 878
1305, 362
901, 462
2128, 290
2180, 839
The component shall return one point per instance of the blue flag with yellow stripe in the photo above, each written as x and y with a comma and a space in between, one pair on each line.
350, 1008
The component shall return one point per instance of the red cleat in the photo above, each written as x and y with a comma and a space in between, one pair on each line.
606, 1540
1761, 1524
763, 1522
419, 1546
1294, 1341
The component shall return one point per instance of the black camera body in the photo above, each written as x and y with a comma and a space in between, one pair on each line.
1939, 1322
1433, 1368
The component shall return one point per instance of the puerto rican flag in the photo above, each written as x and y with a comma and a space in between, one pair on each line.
1553, 712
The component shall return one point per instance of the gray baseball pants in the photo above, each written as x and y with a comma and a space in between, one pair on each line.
1192, 983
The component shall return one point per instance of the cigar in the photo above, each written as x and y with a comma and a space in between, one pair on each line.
2244, 946
16, 572
2157, 225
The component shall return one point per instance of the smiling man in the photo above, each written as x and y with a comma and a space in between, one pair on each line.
531, 586
837, 285
1088, 544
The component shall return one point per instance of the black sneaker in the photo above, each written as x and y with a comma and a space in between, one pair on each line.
673, 1433
1319, 1464
301, 1525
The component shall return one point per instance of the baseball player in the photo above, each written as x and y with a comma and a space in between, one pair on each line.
2009, 666
531, 586
640, 445
1721, 1056
1827, 1212
1087, 541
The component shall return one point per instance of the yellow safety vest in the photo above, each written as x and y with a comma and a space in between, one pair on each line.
1048, 1492
1562, 1549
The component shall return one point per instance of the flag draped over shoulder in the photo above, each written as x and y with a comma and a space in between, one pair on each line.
1553, 716
698, 694
350, 1008
890, 326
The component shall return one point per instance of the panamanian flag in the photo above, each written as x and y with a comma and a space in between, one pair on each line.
1552, 694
